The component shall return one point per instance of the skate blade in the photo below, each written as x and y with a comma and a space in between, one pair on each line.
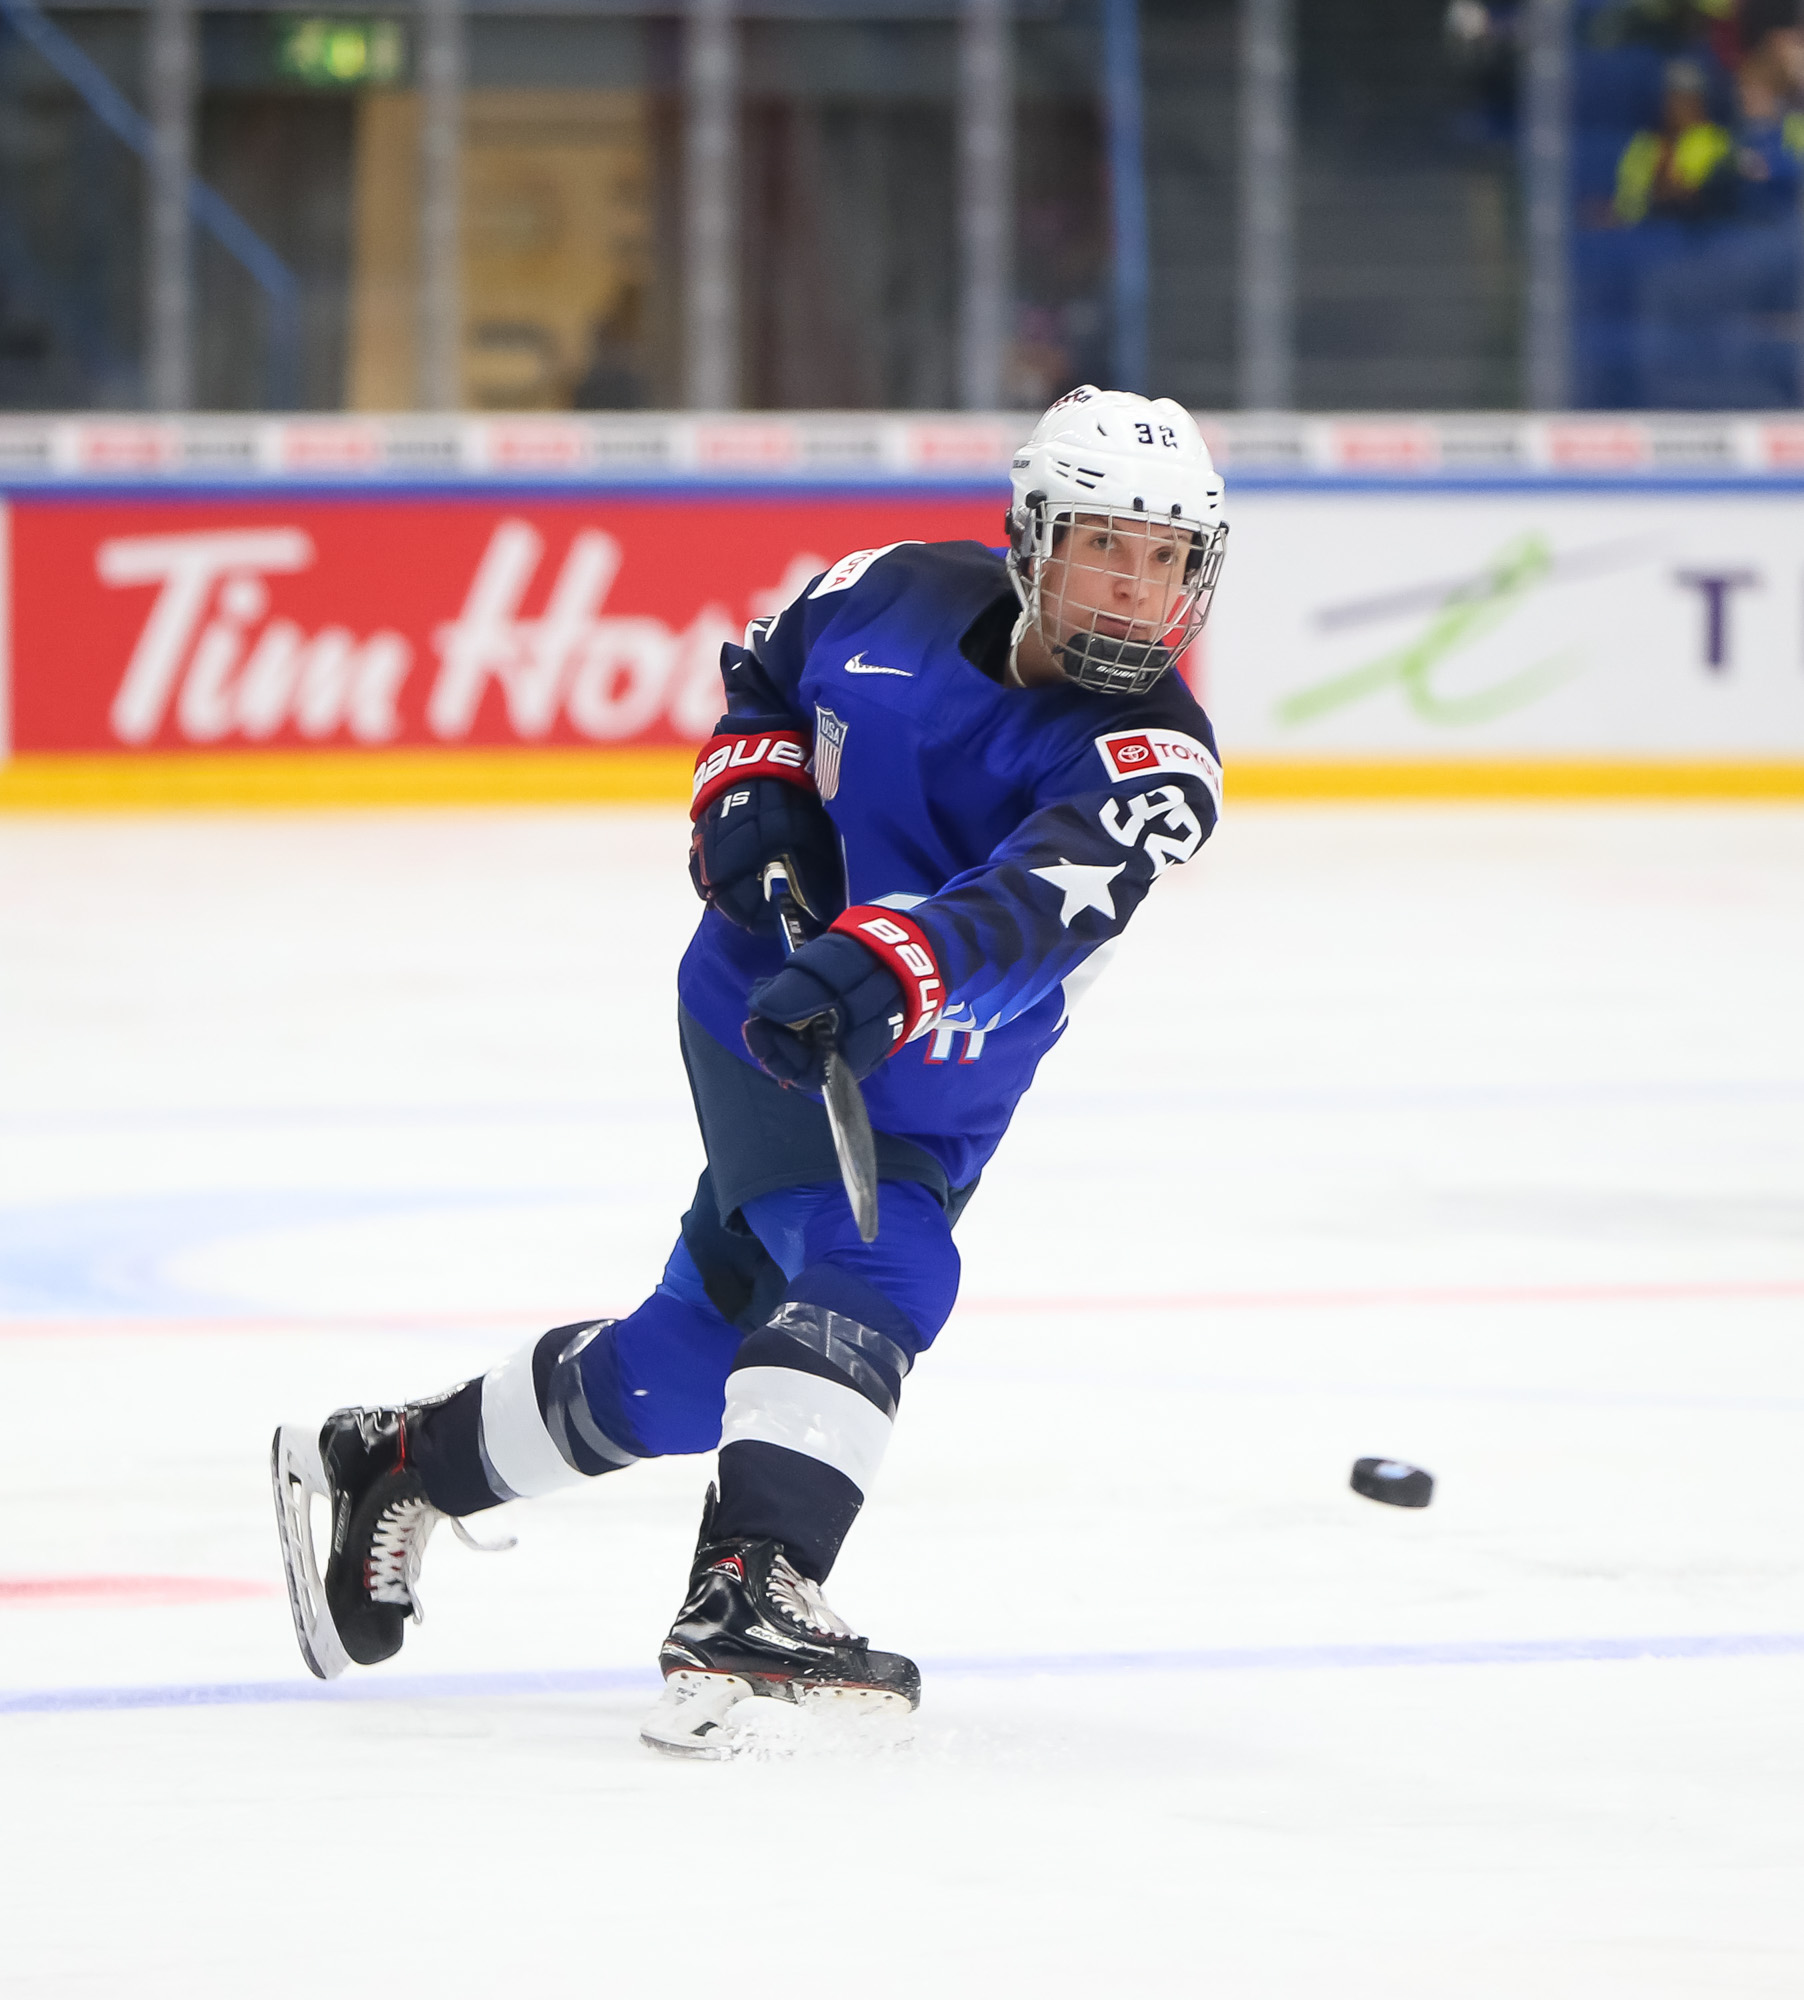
825, 1722
690, 1719
721, 1716
296, 1475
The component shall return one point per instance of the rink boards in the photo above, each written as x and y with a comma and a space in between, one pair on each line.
358, 638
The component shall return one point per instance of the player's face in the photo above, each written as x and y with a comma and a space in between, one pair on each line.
1121, 579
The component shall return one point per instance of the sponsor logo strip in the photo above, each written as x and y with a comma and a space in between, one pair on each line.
849, 569
1132, 753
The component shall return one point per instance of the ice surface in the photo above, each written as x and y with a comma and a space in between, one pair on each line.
1471, 1137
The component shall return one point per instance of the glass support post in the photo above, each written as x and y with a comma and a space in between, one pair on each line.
1267, 301
1546, 191
986, 134
1127, 192
172, 64
710, 216
439, 334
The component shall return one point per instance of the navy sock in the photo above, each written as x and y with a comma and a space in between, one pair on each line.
768, 1492
444, 1447
809, 1405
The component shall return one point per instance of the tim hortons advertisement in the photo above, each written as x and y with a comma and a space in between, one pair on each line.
1439, 626
1457, 625
380, 622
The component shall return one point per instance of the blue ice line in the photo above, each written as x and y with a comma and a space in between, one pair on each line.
262, 1694
1211, 1660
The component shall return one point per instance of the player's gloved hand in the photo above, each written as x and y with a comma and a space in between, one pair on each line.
833, 973
755, 822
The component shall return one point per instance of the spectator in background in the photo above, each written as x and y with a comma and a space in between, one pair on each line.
612, 377
1688, 183
1686, 171
1484, 42
1717, 299
1769, 87
1679, 27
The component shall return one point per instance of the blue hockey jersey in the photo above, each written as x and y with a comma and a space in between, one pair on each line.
1018, 827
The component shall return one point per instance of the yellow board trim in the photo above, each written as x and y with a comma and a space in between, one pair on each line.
638, 776
1478, 780
348, 778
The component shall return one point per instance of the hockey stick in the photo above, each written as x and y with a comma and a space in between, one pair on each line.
847, 1119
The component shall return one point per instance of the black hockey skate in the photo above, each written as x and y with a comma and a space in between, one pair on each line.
754, 1626
380, 1523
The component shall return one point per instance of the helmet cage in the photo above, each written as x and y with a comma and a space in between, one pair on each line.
1104, 662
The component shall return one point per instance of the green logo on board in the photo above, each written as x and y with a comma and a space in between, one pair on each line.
1470, 613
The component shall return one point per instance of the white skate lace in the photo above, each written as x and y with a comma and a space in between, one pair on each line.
398, 1547
799, 1599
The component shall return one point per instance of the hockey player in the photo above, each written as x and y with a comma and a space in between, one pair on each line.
972, 767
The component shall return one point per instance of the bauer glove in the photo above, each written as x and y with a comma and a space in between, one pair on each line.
754, 804
833, 974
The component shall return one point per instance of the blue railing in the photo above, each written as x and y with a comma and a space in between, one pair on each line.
1131, 281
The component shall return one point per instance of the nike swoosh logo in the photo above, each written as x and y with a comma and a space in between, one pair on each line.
855, 665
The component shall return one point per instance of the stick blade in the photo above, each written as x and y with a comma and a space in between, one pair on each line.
853, 1143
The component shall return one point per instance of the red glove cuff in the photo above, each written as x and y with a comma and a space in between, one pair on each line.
902, 945
727, 760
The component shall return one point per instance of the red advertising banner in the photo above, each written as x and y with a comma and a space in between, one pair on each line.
411, 621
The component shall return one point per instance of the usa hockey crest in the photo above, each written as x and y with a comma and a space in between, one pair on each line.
829, 742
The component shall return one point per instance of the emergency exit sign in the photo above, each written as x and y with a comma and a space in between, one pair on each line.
333, 52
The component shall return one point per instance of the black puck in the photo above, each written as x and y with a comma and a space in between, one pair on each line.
1393, 1482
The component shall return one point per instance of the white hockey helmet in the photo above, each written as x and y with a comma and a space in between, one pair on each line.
1117, 607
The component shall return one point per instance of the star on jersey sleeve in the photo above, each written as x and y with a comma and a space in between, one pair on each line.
1085, 886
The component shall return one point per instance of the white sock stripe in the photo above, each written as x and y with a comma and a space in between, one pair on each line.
497, 1485
514, 1439
807, 1413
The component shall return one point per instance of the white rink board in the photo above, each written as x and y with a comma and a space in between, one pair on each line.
1469, 1136
1532, 622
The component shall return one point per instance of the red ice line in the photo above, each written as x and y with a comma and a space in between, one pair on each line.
1418, 1295
1430, 1295
147, 1590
